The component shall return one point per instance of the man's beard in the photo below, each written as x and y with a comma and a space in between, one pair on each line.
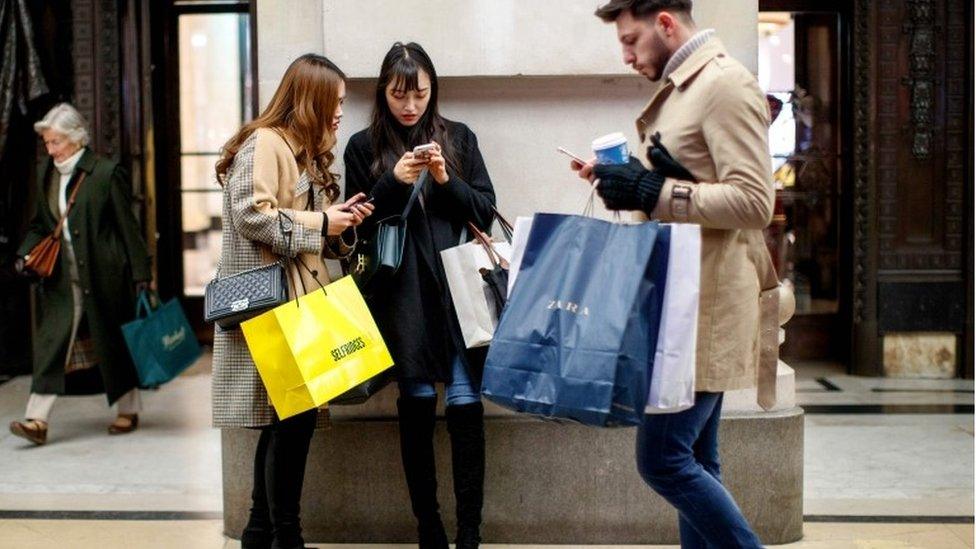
662, 62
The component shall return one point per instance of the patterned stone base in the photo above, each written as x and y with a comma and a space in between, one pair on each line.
920, 355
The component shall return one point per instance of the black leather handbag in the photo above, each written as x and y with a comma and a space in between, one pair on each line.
230, 300
496, 278
379, 256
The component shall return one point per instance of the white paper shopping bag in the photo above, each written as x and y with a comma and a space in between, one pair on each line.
473, 303
523, 226
673, 376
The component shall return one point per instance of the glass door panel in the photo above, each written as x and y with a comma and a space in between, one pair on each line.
215, 98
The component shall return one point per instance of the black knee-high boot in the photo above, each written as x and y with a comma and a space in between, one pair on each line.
285, 467
258, 534
466, 424
417, 417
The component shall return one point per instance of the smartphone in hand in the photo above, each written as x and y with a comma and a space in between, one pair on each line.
577, 159
422, 152
356, 201
577, 165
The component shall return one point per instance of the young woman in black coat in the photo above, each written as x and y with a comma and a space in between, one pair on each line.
414, 311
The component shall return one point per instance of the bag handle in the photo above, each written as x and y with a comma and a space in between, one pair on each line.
143, 305
589, 207
507, 229
485, 242
71, 203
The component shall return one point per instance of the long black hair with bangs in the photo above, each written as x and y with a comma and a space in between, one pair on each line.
389, 138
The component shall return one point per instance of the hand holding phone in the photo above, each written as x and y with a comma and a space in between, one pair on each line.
359, 199
582, 168
422, 152
578, 160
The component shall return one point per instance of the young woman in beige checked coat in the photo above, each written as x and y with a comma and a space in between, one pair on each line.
277, 169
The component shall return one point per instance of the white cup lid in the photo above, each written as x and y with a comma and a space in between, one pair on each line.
609, 141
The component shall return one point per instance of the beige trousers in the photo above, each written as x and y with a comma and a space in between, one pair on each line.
39, 405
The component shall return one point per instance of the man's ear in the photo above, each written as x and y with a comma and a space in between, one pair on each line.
667, 22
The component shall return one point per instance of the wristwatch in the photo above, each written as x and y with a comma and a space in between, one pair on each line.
680, 202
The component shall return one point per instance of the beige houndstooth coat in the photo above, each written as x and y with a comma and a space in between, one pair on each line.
264, 182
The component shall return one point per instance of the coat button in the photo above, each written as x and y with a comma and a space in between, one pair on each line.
87, 291
76, 232
81, 262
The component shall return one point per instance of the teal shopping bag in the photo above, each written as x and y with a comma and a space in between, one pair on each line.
161, 342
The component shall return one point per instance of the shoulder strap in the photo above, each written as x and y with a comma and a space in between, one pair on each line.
417, 188
71, 202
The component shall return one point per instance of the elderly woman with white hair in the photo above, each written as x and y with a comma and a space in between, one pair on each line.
102, 264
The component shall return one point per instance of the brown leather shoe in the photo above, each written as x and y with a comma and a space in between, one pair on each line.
125, 423
32, 430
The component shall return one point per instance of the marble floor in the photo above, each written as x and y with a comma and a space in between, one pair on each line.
889, 463
205, 534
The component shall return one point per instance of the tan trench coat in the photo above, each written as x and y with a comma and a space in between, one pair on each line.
263, 181
714, 120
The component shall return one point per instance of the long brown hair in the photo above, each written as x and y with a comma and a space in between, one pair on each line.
303, 106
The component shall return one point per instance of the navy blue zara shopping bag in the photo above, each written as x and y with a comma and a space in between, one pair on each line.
161, 341
577, 337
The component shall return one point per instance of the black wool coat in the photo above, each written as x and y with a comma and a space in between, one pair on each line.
111, 256
415, 313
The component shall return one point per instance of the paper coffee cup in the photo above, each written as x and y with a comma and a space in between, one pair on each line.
611, 149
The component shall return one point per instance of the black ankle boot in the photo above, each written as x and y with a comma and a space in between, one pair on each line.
417, 416
466, 424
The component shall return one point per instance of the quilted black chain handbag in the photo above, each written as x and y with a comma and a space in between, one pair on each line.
230, 300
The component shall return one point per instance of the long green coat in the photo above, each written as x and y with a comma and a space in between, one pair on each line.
111, 256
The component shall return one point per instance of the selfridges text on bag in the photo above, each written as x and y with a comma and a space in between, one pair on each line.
316, 348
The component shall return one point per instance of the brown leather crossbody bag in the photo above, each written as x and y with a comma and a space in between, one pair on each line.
44, 256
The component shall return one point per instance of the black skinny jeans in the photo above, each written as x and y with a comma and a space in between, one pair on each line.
279, 473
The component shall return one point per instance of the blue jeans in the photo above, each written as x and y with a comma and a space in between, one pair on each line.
677, 455
460, 391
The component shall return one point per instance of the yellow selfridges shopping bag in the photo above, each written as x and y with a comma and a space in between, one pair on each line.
314, 348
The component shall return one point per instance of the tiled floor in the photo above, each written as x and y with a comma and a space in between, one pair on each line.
42, 534
860, 466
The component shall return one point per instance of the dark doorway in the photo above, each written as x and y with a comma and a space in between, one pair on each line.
804, 68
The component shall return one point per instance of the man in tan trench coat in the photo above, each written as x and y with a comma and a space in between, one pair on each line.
703, 159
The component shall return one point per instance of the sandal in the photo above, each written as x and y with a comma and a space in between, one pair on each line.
31, 429
125, 423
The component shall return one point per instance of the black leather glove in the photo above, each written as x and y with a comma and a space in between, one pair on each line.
663, 162
628, 186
